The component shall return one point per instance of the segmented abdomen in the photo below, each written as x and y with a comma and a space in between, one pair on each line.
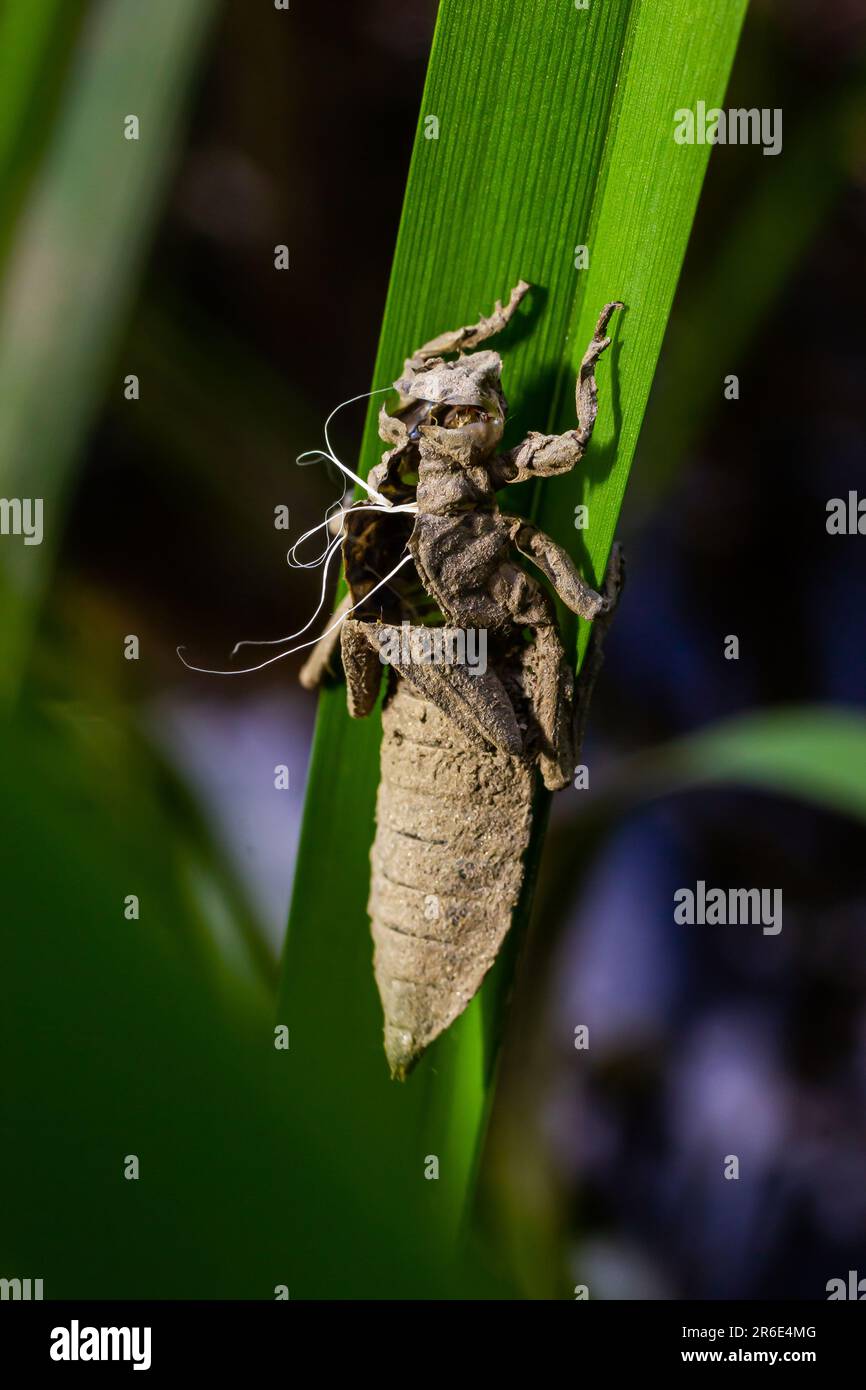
453, 825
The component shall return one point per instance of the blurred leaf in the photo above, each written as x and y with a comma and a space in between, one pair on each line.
556, 130
817, 754
35, 39
124, 1044
813, 752
160, 836
77, 252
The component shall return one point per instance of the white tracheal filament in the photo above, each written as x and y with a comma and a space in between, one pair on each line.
378, 503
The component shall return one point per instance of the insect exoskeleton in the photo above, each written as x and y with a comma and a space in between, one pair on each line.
463, 751
453, 824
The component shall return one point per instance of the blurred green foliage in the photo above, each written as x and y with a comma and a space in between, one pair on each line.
76, 250
133, 1037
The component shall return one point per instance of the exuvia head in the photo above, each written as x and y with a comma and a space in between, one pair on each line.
465, 395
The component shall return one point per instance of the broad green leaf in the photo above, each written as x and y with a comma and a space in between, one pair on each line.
555, 130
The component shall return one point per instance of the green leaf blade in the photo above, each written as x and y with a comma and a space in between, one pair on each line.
555, 130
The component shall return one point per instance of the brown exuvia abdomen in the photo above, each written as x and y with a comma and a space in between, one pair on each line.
453, 825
